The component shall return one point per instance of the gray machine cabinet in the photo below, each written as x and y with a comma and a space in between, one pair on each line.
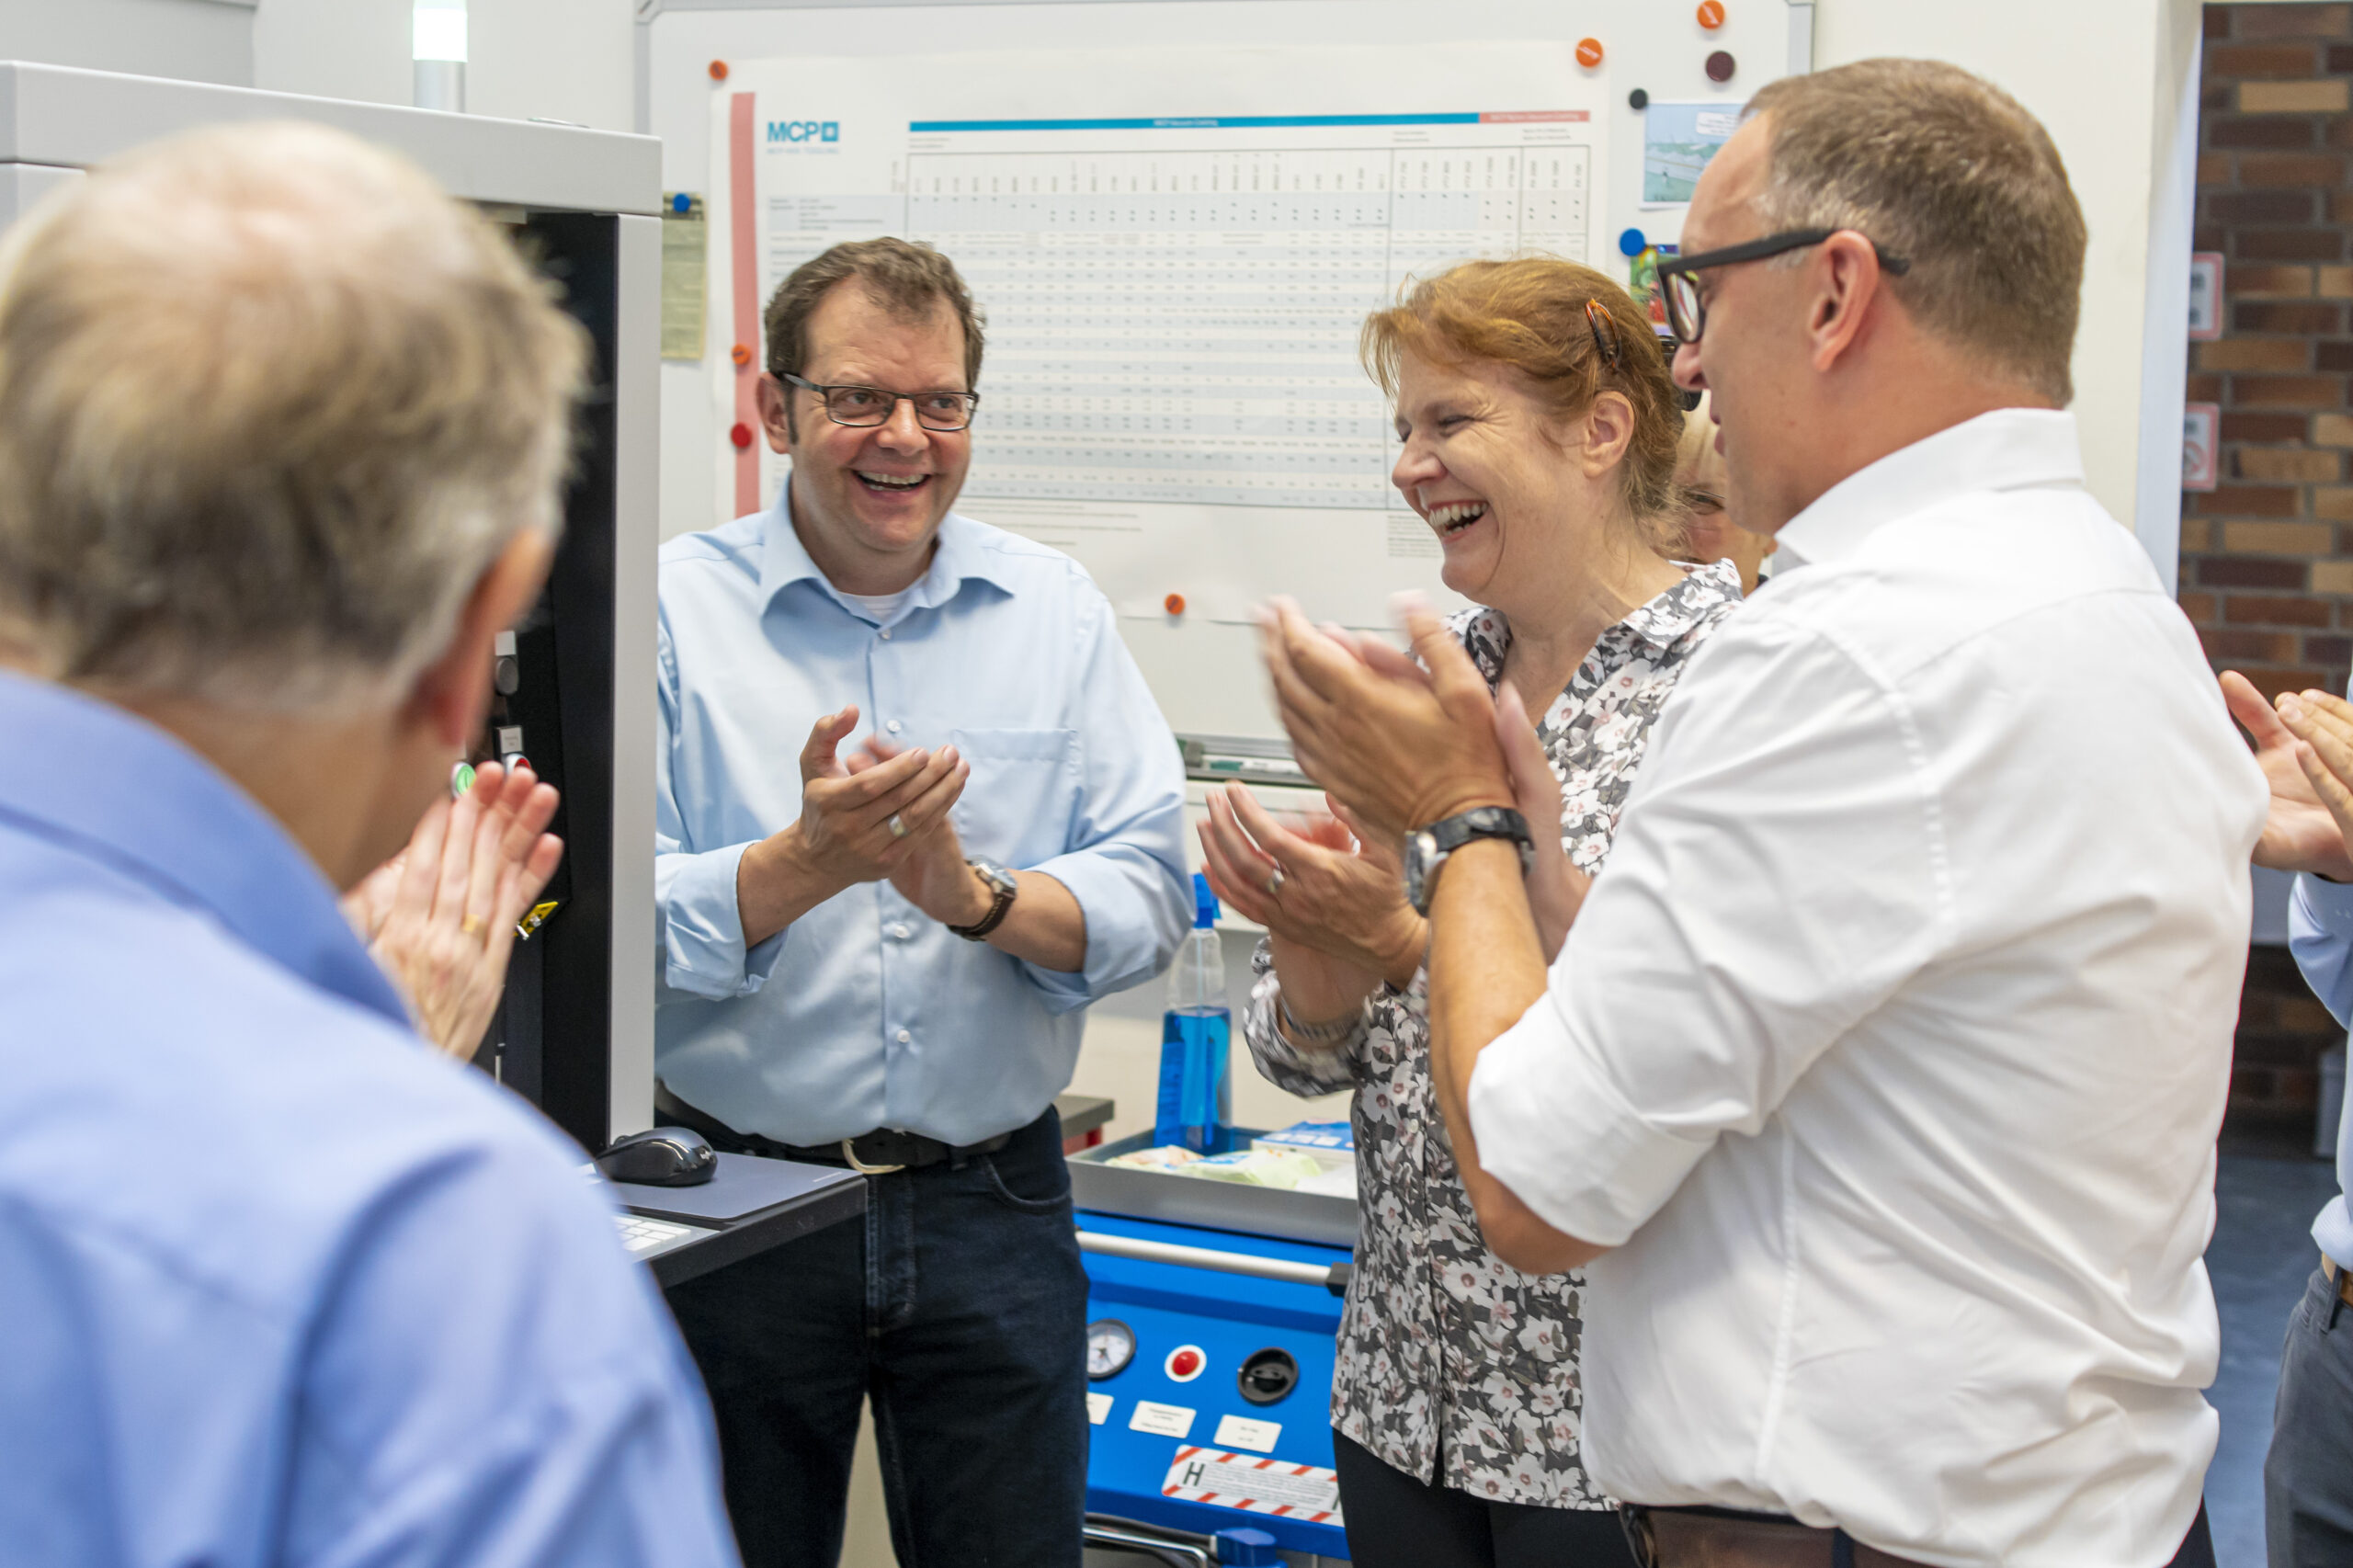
576, 1035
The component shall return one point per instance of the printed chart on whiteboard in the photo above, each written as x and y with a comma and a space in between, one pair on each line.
1174, 263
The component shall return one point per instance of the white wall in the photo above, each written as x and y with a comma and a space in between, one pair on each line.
568, 60
197, 40
2111, 79
335, 49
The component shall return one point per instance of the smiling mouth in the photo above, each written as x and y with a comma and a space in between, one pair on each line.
891, 484
1455, 515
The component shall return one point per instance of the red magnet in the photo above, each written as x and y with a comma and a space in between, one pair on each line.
1588, 53
1711, 13
741, 435
1719, 66
1174, 603
741, 354
718, 70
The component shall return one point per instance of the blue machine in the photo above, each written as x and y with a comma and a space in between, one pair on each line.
1212, 1314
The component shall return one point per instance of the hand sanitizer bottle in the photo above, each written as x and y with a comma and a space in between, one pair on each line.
1196, 1038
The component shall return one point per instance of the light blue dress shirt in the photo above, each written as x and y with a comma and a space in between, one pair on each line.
279, 1285
866, 1013
2320, 933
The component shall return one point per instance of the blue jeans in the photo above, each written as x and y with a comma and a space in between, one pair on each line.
959, 1308
2308, 1474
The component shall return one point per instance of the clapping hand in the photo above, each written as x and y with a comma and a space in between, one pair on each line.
2305, 750
440, 917
863, 817
1401, 746
1325, 882
931, 873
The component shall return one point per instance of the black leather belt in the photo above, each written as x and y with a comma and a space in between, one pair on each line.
878, 1153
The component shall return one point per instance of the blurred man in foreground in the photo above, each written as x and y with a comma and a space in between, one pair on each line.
282, 428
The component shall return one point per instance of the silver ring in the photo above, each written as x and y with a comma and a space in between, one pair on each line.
1275, 883
898, 829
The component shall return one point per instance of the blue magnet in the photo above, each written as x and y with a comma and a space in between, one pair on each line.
682, 202
1632, 243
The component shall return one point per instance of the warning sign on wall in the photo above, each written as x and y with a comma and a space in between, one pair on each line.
1254, 1483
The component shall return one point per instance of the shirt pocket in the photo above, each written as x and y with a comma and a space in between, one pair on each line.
1022, 797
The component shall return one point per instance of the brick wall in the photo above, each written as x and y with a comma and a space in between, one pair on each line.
2266, 558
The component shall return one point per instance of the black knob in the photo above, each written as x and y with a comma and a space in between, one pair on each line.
1268, 1376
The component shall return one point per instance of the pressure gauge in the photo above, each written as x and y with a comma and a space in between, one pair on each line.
1110, 1346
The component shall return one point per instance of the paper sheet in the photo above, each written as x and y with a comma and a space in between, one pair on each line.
1175, 251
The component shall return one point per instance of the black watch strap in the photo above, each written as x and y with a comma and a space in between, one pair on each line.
1002, 887
1452, 833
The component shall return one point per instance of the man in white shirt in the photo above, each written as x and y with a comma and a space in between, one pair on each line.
1876, 1081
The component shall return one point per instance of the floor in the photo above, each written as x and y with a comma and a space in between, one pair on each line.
2260, 1257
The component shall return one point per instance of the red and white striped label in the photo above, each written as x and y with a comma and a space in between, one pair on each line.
1255, 1485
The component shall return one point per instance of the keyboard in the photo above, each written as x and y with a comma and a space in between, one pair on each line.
644, 1237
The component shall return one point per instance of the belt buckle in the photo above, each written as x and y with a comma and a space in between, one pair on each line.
850, 1153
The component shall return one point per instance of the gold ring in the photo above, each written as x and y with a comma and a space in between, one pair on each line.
1275, 883
471, 925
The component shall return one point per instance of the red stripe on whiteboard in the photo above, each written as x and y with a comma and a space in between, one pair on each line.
743, 224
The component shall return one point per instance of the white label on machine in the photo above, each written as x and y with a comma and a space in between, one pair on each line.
1098, 1408
1160, 1420
1254, 1486
1241, 1432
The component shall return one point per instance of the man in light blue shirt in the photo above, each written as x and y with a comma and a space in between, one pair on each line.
281, 431
882, 959
2306, 750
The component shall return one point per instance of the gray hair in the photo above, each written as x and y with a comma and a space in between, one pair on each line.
270, 404
1952, 174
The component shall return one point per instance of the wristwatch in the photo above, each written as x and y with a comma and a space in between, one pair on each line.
1001, 884
1427, 849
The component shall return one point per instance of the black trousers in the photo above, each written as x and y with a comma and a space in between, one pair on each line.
959, 1308
1397, 1521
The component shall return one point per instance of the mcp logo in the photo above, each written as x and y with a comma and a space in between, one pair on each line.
793, 132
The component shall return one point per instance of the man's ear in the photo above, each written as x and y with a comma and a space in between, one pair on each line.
776, 414
452, 692
1848, 282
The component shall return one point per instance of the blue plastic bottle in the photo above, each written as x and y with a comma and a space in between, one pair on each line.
1196, 1101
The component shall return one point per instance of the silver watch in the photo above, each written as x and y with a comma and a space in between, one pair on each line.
1002, 886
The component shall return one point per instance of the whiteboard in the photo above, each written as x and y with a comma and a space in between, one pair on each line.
1339, 57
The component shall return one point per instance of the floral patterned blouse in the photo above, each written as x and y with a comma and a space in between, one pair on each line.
1451, 1362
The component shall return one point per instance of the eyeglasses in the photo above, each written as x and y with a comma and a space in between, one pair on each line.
862, 408
1684, 313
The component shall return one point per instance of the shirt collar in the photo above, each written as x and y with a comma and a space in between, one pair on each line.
962, 554
95, 779
2010, 448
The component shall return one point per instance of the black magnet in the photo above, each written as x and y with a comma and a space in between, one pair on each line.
1719, 66
1638, 100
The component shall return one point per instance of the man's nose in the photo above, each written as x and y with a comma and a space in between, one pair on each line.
902, 432
1686, 369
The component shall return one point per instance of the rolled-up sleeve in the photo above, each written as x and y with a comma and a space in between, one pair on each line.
1774, 879
1125, 857
698, 924
2320, 933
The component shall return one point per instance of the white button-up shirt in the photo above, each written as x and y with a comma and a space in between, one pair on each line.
1890, 1049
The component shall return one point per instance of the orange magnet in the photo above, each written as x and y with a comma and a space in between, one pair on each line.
1174, 603
741, 354
1711, 13
1588, 53
718, 70
741, 435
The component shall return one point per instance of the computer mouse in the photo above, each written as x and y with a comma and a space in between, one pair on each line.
661, 1156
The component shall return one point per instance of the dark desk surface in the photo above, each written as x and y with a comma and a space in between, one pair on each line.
752, 1205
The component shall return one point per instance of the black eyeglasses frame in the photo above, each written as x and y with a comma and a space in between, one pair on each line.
825, 399
1676, 270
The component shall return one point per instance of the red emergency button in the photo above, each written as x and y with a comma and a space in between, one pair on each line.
1185, 1363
